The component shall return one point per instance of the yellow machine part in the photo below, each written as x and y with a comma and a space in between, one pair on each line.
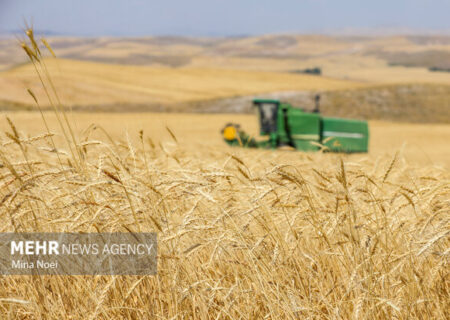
230, 133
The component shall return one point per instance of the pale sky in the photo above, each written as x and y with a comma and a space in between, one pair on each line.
221, 17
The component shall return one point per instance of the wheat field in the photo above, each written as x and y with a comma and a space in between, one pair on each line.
172, 73
91, 84
258, 233
242, 234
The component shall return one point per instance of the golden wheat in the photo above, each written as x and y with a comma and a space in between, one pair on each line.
242, 233
252, 234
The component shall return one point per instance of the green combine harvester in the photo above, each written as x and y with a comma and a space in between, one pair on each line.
283, 125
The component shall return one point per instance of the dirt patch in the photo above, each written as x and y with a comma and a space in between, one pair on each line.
427, 59
137, 59
405, 103
277, 42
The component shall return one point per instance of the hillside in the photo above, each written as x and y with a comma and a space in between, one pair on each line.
86, 84
394, 102
269, 52
212, 74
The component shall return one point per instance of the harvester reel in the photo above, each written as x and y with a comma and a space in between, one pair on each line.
230, 131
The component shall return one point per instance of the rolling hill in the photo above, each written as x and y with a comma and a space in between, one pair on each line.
87, 84
197, 74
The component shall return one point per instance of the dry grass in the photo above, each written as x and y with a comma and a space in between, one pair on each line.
249, 234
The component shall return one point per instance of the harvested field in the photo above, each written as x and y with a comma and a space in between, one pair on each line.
186, 74
87, 86
87, 83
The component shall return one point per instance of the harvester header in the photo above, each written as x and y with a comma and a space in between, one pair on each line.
284, 125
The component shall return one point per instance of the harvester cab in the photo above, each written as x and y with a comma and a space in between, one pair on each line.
283, 125
267, 111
